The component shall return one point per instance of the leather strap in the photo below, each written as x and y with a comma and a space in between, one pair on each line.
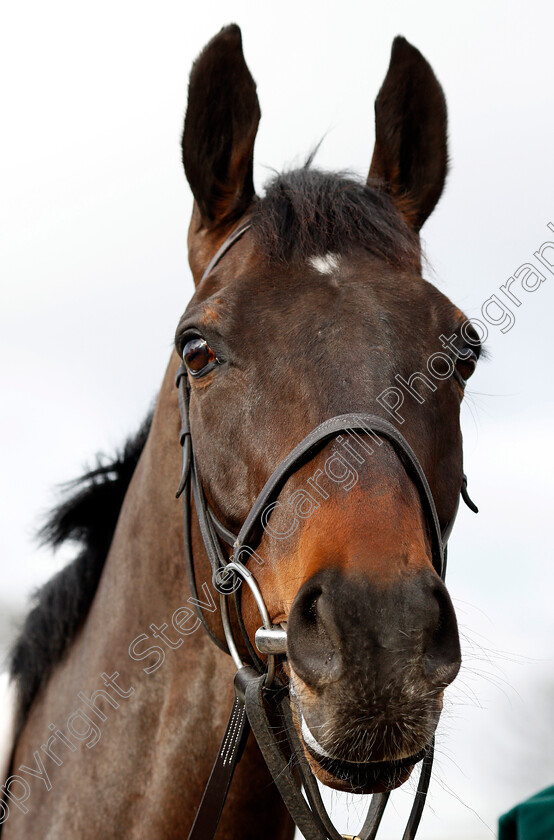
181, 380
230, 752
374, 816
421, 794
228, 243
264, 725
252, 529
465, 496
374, 428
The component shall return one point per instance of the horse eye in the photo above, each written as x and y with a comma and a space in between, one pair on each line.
198, 356
466, 365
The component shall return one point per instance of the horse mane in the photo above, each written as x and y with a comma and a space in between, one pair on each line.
308, 213
87, 515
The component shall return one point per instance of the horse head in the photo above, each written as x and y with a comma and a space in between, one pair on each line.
319, 310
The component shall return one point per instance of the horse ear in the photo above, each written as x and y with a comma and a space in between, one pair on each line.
220, 128
410, 155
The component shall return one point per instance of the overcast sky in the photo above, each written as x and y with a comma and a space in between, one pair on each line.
94, 278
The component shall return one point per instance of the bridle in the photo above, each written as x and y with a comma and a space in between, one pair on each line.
261, 702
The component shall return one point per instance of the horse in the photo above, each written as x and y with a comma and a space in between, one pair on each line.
316, 416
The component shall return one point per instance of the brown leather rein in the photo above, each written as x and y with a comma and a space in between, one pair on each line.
261, 702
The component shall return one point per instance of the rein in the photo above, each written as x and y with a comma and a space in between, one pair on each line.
261, 702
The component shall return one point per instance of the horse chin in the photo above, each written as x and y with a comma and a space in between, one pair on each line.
363, 777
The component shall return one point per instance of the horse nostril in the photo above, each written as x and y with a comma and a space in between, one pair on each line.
309, 606
442, 655
312, 650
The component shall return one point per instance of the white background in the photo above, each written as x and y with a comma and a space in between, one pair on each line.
94, 276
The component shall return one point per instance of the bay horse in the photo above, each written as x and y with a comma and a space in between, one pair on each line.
319, 382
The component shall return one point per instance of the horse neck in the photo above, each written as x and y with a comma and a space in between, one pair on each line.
148, 544
145, 580
178, 708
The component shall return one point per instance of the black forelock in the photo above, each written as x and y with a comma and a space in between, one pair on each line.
307, 212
